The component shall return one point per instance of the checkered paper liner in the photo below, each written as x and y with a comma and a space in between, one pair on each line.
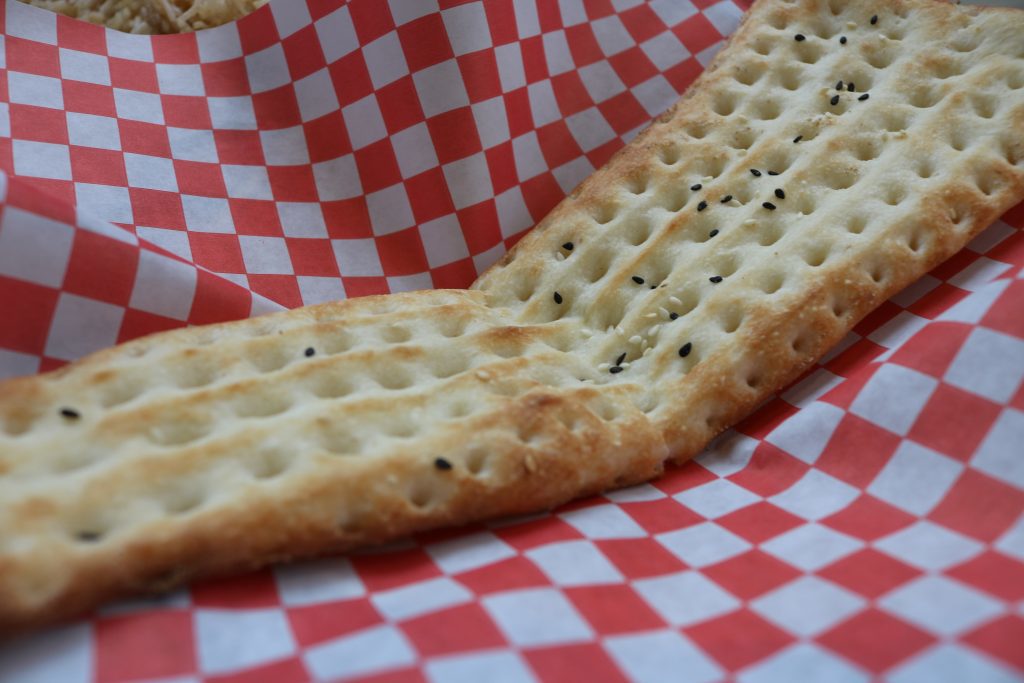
868, 522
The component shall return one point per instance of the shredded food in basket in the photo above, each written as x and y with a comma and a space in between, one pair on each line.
152, 16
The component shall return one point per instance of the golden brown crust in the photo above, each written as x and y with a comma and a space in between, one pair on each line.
217, 449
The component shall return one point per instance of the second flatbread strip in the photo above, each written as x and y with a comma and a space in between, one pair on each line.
672, 293
831, 155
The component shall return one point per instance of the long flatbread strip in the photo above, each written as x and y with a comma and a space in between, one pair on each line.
643, 316
833, 153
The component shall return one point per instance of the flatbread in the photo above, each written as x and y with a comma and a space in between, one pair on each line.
643, 316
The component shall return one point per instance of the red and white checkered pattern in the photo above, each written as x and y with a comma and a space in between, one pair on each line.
868, 522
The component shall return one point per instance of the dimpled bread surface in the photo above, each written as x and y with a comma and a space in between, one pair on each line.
642, 317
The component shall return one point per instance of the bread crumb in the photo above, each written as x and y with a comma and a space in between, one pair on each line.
530, 462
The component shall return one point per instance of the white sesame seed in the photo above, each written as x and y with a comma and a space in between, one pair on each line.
675, 300
604, 366
559, 256
635, 339
647, 351
624, 366
654, 330
663, 311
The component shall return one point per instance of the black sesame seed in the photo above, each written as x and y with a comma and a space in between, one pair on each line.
618, 361
715, 278
673, 315
799, 37
834, 101
309, 351
851, 87
70, 413
773, 173
654, 286
615, 369
713, 232
754, 172
863, 97
567, 246
637, 279
842, 40
779, 193
726, 199
88, 536
839, 85
558, 298
769, 206
702, 206
685, 349
797, 139
696, 187
874, 20
442, 464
